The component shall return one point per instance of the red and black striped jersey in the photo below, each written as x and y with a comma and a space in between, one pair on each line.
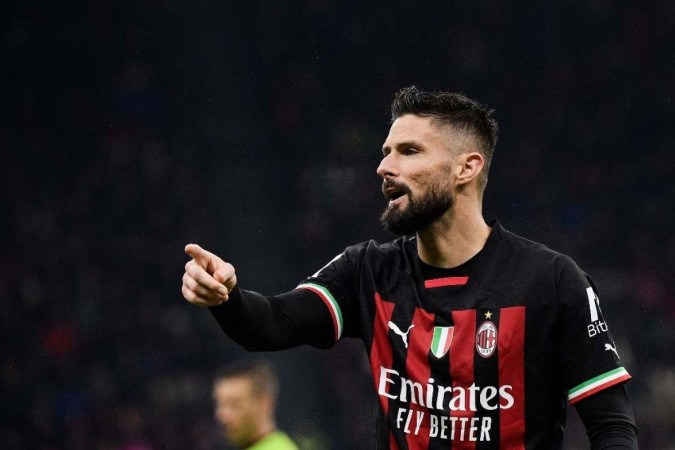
487, 355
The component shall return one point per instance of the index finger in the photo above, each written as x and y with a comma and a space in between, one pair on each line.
196, 252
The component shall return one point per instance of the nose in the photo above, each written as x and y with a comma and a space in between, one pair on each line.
387, 167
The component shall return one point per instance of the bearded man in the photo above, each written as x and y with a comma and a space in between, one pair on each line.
477, 338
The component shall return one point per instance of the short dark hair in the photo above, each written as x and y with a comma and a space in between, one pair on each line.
453, 109
262, 375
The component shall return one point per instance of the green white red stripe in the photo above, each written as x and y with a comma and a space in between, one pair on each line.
597, 384
441, 341
331, 303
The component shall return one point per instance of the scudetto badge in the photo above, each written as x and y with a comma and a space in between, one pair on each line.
486, 339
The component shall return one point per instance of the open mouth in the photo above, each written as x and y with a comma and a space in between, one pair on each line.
393, 192
393, 195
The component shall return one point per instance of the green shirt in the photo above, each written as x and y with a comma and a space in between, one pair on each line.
274, 441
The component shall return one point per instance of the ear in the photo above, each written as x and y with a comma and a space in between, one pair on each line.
268, 404
470, 165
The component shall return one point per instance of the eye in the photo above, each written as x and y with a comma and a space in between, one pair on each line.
409, 151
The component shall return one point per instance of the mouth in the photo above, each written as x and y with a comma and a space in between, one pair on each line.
394, 192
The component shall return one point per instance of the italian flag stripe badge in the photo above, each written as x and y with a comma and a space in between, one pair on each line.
440, 343
330, 302
597, 384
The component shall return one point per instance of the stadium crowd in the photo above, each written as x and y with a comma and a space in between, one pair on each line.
129, 131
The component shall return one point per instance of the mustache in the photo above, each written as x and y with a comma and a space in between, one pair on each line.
390, 184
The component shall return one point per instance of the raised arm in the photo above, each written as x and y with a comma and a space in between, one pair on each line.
256, 322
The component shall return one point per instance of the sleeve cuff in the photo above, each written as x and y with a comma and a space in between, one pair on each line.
597, 384
233, 301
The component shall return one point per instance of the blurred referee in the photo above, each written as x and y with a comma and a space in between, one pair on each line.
245, 396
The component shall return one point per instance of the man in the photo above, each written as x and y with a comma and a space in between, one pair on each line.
245, 397
477, 337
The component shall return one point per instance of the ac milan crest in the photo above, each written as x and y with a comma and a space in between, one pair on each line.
486, 339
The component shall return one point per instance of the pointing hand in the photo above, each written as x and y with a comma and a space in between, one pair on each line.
208, 280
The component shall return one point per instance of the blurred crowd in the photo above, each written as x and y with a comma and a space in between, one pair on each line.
130, 129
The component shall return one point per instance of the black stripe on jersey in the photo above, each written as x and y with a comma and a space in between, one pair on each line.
486, 373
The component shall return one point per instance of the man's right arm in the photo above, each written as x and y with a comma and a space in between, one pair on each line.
260, 323
254, 321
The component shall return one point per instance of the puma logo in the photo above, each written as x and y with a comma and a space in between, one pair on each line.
397, 330
609, 347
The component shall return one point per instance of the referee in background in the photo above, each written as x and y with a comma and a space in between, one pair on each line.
245, 396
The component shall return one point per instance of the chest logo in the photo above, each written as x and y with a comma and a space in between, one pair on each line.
609, 347
486, 339
393, 327
440, 343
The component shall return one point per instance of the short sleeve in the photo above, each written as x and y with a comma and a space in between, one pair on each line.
586, 352
336, 286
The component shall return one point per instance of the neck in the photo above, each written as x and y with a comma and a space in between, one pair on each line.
267, 428
454, 238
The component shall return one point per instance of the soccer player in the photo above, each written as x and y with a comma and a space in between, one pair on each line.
245, 396
477, 338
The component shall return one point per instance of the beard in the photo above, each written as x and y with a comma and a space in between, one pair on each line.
422, 210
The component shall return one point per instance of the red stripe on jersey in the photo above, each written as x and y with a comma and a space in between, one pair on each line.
461, 370
511, 350
448, 281
380, 351
418, 370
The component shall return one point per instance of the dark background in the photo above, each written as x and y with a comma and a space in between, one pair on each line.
254, 128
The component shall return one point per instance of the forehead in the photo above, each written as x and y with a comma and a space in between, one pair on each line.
232, 387
411, 128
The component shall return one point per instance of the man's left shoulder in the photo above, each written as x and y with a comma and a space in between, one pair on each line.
539, 261
522, 248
